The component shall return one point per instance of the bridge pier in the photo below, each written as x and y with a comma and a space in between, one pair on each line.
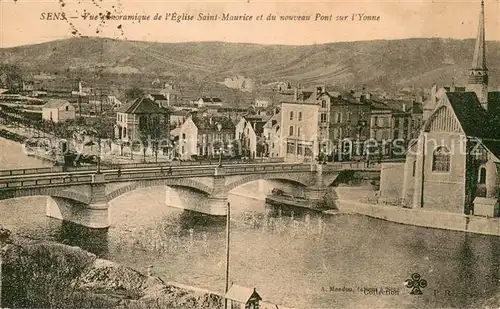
318, 192
92, 215
217, 201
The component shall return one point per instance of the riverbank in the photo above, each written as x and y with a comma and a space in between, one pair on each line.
423, 218
41, 274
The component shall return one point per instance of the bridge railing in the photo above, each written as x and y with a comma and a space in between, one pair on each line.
150, 173
60, 169
27, 171
44, 181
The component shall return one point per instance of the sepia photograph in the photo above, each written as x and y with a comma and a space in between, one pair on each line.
250, 154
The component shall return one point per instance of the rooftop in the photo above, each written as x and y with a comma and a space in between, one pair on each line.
55, 103
241, 294
209, 123
142, 105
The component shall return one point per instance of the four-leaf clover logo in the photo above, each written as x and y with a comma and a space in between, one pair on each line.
416, 283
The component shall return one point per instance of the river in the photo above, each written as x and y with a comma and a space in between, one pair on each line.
304, 261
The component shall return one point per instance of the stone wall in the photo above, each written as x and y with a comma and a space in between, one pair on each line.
391, 180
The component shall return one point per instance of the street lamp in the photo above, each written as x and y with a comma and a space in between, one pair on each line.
219, 128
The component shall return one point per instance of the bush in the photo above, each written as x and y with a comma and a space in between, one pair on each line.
43, 275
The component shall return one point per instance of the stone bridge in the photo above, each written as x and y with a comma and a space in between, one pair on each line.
83, 197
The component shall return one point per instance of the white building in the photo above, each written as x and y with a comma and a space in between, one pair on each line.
299, 131
261, 103
249, 132
58, 110
272, 134
209, 102
187, 139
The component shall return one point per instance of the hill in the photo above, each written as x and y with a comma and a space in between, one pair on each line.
391, 63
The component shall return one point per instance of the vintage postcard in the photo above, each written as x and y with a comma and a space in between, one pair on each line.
314, 154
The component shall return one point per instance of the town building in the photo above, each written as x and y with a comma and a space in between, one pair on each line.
207, 102
390, 128
57, 110
171, 95
349, 122
240, 297
458, 149
200, 136
185, 139
249, 132
272, 135
142, 118
296, 119
261, 103
299, 131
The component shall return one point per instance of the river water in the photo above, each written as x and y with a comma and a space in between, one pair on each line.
304, 261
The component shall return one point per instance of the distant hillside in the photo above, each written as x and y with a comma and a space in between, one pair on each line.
393, 63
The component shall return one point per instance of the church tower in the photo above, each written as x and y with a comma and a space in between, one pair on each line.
478, 74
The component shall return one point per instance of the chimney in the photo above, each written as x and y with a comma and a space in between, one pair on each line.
433, 94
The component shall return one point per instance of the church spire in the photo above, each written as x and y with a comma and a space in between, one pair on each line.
478, 74
479, 61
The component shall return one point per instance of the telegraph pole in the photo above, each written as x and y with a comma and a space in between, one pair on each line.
228, 225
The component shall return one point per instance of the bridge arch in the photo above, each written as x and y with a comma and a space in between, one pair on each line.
170, 182
50, 191
297, 178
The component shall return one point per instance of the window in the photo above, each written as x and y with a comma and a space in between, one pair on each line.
323, 104
482, 176
291, 115
124, 132
290, 131
339, 117
441, 160
323, 118
67, 108
298, 131
396, 134
183, 135
300, 116
290, 147
414, 168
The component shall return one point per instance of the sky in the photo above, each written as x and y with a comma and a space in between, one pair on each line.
25, 22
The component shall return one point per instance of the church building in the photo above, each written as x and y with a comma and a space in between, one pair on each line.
454, 165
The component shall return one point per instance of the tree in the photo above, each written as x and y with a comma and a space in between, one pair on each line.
11, 76
153, 128
100, 128
134, 93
